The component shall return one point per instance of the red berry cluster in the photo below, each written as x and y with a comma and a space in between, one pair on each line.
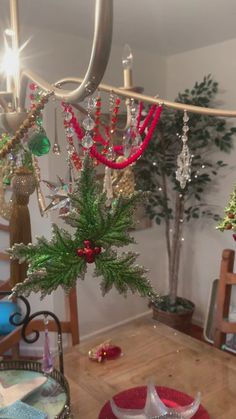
89, 252
229, 225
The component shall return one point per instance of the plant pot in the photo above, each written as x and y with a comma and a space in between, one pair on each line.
180, 321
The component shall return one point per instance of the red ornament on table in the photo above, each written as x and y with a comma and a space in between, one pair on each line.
89, 252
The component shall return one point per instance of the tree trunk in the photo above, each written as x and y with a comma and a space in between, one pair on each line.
176, 248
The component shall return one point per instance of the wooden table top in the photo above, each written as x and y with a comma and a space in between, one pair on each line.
151, 349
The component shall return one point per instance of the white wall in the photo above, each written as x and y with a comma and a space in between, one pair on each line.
53, 55
203, 244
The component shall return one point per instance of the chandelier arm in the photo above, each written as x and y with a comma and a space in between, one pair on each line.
3, 103
154, 100
98, 61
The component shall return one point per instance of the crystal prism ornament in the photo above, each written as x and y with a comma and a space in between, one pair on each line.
88, 123
39, 143
183, 172
137, 140
47, 365
184, 159
127, 143
87, 141
56, 148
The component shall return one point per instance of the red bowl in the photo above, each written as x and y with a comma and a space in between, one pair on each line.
135, 398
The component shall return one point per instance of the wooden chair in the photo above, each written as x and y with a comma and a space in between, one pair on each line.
227, 279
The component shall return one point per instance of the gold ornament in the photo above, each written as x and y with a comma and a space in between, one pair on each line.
123, 182
40, 195
23, 185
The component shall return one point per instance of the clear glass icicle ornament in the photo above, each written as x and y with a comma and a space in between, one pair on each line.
184, 159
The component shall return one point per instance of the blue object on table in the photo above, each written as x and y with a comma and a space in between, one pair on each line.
7, 308
20, 410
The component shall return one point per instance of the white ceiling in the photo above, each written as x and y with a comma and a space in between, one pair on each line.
161, 26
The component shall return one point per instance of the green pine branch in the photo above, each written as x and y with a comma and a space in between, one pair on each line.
55, 262
120, 271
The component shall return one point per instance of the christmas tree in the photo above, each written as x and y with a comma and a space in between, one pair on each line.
98, 229
229, 220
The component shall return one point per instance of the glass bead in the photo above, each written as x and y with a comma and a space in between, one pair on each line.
70, 132
68, 116
185, 128
88, 123
39, 143
87, 141
137, 140
91, 104
39, 121
185, 117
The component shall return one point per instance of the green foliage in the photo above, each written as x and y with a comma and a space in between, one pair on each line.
229, 220
155, 171
56, 262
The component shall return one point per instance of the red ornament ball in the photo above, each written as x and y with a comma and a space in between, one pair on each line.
231, 216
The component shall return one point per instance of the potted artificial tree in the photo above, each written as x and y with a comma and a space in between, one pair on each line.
169, 203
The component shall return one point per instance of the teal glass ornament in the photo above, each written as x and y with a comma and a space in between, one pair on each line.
39, 143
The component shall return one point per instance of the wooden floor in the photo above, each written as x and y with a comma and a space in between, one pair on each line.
152, 350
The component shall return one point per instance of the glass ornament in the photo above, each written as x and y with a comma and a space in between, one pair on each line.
87, 141
88, 123
39, 143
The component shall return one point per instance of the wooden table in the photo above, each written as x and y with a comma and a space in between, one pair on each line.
152, 350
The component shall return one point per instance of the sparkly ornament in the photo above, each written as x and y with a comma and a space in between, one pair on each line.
104, 351
40, 195
56, 148
59, 196
23, 183
47, 365
184, 159
155, 408
123, 181
107, 185
39, 143
88, 123
87, 141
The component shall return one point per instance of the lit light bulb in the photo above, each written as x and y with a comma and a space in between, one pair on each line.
127, 58
10, 62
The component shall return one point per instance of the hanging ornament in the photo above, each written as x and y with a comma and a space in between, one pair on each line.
123, 181
39, 143
183, 172
56, 149
40, 195
138, 147
47, 364
59, 196
107, 185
